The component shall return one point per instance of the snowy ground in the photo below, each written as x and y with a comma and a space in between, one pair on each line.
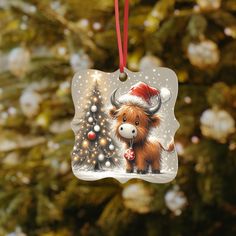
123, 177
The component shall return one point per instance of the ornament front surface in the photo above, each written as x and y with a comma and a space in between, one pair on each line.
112, 117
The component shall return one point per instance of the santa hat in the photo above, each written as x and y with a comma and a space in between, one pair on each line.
140, 94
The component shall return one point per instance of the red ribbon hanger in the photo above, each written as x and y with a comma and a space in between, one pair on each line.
122, 50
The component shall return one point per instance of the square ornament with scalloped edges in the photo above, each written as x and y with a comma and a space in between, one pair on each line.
125, 130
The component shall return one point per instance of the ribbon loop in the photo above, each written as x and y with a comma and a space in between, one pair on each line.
122, 50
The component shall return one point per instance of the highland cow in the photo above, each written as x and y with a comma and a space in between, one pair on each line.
134, 118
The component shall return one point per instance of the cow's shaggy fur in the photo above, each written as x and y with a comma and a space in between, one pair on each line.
147, 152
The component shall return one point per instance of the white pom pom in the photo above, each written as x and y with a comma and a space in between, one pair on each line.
165, 94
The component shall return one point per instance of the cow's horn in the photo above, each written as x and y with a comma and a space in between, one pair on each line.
114, 102
154, 109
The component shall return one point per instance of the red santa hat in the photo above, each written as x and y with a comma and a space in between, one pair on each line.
140, 94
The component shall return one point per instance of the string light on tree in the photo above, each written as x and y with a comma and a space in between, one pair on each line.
208, 5
179, 148
103, 142
85, 144
188, 100
195, 139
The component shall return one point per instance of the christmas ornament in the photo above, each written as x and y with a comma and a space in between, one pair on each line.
94, 108
101, 157
217, 124
91, 135
108, 163
19, 61
129, 154
111, 147
149, 62
144, 98
175, 200
130, 111
90, 119
96, 128
138, 198
80, 61
30, 103
204, 54
209, 4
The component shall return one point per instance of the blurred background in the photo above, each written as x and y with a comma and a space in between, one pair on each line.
42, 44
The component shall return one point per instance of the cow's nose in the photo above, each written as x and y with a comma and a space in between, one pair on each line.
128, 131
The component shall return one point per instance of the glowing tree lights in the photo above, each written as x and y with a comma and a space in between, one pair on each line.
94, 148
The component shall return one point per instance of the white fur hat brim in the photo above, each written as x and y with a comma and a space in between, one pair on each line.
127, 98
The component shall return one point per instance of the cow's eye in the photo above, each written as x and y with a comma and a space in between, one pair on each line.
124, 119
136, 123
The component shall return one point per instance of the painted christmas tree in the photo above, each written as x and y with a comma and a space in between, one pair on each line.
94, 148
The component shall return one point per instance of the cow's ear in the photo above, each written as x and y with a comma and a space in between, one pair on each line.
155, 120
113, 112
